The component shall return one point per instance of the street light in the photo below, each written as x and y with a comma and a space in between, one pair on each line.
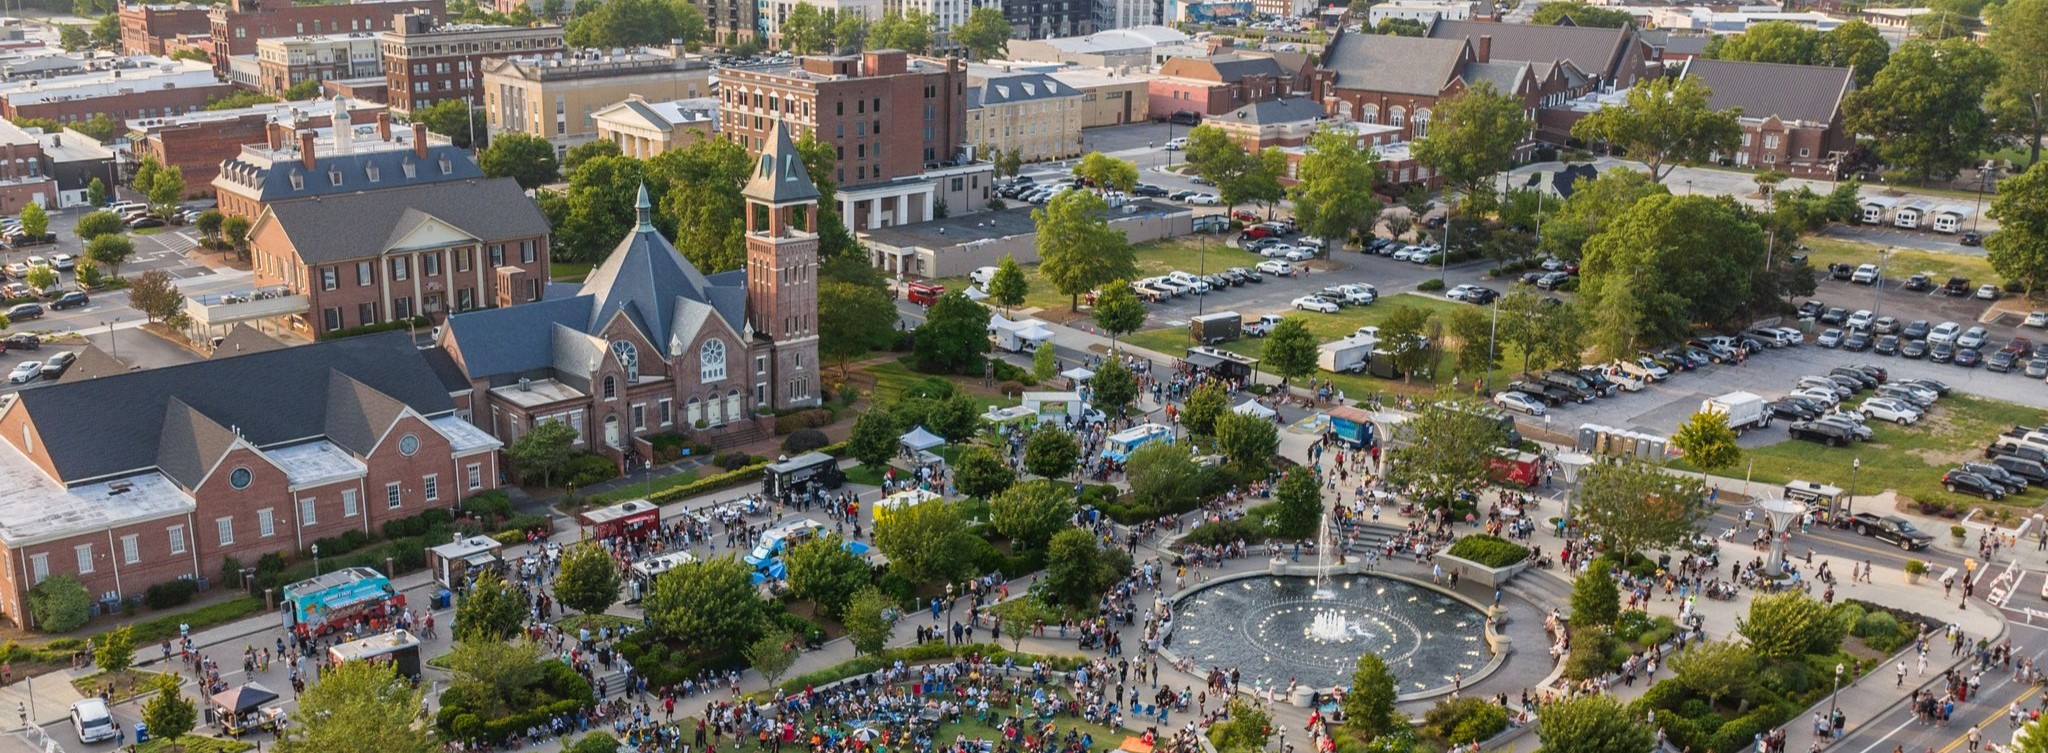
316, 559
1984, 174
1884, 255
111, 340
1849, 505
1832, 706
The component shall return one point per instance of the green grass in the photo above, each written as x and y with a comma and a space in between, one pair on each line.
892, 378
1105, 739
1190, 254
642, 490
1902, 263
865, 475
149, 230
1905, 459
569, 271
194, 744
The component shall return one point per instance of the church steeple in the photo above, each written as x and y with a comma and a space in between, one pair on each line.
779, 175
645, 210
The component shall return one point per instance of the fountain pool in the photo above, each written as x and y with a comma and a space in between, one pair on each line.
1273, 629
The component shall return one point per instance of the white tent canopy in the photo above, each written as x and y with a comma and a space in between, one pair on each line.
920, 439
1078, 374
1253, 408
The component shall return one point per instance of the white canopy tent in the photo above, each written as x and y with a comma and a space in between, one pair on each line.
921, 439
1253, 408
1078, 374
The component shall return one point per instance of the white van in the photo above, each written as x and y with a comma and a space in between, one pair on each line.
89, 718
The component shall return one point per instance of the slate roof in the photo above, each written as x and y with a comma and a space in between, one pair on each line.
244, 339
1506, 76
354, 170
1593, 50
329, 229
1290, 110
1811, 93
779, 173
1403, 65
1232, 68
488, 352
121, 423
357, 414
1020, 87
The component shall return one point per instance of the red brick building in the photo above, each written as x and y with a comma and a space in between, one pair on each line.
133, 479
1791, 114
237, 24
427, 62
293, 163
120, 93
1218, 84
197, 143
145, 28
1379, 79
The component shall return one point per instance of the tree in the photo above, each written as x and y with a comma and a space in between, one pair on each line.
1114, 388
1667, 263
451, 118
1291, 350
1030, 513
600, 200
95, 224
546, 448
703, 199
1246, 731
1247, 441
1202, 409
1045, 364
1717, 670
1593, 205
1471, 138
96, 193
59, 604
1402, 336
1164, 479
822, 572
356, 707
1051, 452
491, 610
585, 152
1452, 464
953, 338
869, 621
1595, 602
529, 160
1007, 287
925, 542
1925, 109
1769, 42
1077, 249
633, 23
1078, 570
1017, 617
1333, 193
1217, 157
162, 187
1593, 724
1855, 45
1105, 172
2017, 38
1664, 123
853, 320
234, 230
302, 90
1788, 625
116, 650
587, 579
981, 473
170, 714
238, 100
601, 741
1118, 310
73, 37
2018, 250
1369, 707
209, 223
1949, 19
806, 29
34, 221
772, 654
1474, 332
709, 606
110, 251
874, 438
985, 33
910, 31
1401, 27
1580, 14
1635, 506
1299, 503
42, 278
1707, 442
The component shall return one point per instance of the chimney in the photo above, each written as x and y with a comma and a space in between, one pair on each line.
273, 134
306, 148
419, 140
1486, 48
384, 125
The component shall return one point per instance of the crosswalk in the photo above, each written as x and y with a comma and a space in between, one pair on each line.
177, 242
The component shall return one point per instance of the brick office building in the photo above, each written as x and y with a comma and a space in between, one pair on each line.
427, 62
1219, 84
301, 163
197, 143
283, 62
558, 100
133, 479
237, 24
145, 28
916, 107
1791, 114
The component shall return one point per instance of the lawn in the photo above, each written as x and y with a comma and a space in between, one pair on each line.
643, 490
194, 744
569, 271
1903, 263
893, 377
1190, 254
1906, 459
1173, 341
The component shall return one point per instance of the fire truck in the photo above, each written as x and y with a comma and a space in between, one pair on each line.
327, 603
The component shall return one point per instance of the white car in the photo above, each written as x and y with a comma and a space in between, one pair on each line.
1462, 292
1944, 332
1279, 267
1791, 336
26, 372
1890, 409
65, 262
1972, 338
1312, 303
1987, 292
1516, 401
1825, 396
1177, 143
37, 261
1199, 285
2036, 319
1406, 253
1204, 200
1861, 319
1359, 293
1276, 251
1864, 275
1829, 338
981, 276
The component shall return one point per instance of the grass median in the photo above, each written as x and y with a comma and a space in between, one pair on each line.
1903, 262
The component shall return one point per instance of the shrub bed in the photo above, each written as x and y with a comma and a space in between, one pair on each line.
170, 594
1491, 551
929, 652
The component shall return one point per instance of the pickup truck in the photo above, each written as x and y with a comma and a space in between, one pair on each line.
1890, 529
1263, 326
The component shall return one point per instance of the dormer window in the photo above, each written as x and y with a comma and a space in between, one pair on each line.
334, 177
446, 166
298, 181
372, 170
410, 169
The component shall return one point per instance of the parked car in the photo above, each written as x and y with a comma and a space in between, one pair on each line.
1812, 308
1864, 275
2037, 319
1792, 410
1312, 303
1890, 529
1915, 330
1945, 332
2000, 361
1890, 409
1885, 325
2037, 368
1913, 349
1516, 401
2012, 482
1959, 481
1887, 345
24, 312
1941, 352
1829, 338
1279, 267
1987, 292
1972, 338
1836, 315
1860, 320
1968, 358
1832, 435
2032, 470
1956, 286
1919, 283
1856, 341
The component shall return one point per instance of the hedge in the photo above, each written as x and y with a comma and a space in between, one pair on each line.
371, 329
929, 652
1491, 551
164, 628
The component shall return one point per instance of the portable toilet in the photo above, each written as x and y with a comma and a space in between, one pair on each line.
1588, 438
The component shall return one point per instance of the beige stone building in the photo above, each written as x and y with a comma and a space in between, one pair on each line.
643, 129
558, 100
1031, 112
1107, 97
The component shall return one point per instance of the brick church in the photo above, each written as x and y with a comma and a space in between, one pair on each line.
650, 345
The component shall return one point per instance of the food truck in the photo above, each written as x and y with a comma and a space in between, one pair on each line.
798, 473
1119, 446
900, 500
453, 563
1352, 427
326, 603
644, 572
631, 518
240, 711
399, 648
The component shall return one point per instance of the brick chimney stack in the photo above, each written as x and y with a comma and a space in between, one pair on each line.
384, 125
306, 149
1486, 48
419, 140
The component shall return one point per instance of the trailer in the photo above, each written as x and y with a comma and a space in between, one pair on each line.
1743, 410
1119, 446
1353, 427
452, 563
1220, 327
1912, 214
1020, 336
906, 498
1348, 355
633, 517
333, 601
398, 648
1513, 468
642, 574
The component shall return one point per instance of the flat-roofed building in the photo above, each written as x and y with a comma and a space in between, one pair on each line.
284, 62
558, 98
427, 62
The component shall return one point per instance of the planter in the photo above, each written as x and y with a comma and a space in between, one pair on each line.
1474, 571
1913, 579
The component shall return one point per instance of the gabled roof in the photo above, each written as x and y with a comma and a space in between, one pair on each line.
357, 414
1594, 50
1505, 76
1276, 111
1228, 69
1811, 93
488, 350
1388, 63
118, 424
339, 228
244, 339
190, 444
1020, 87
779, 173
644, 275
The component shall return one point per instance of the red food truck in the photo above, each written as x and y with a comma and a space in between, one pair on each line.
923, 294
637, 517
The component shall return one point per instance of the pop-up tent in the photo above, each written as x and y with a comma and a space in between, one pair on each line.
920, 439
1253, 408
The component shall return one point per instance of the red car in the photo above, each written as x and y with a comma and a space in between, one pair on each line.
1257, 231
2019, 346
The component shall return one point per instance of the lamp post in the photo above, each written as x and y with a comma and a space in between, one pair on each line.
1884, 256
316, 560
111, 339
1836, 695
1984, 174
1849, 505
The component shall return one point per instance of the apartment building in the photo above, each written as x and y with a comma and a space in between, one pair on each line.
146, 27
557, 98
427, 62
237, 25
1023, 110
197, 143
284, 62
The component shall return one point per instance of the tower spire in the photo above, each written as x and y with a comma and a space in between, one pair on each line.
645, 210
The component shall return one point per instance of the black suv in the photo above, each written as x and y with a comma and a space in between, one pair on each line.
2013, 482
1956, 286
1964, 482
1832, 435
2031, 470
1890, 529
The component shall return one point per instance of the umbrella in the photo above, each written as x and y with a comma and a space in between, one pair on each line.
244, 698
